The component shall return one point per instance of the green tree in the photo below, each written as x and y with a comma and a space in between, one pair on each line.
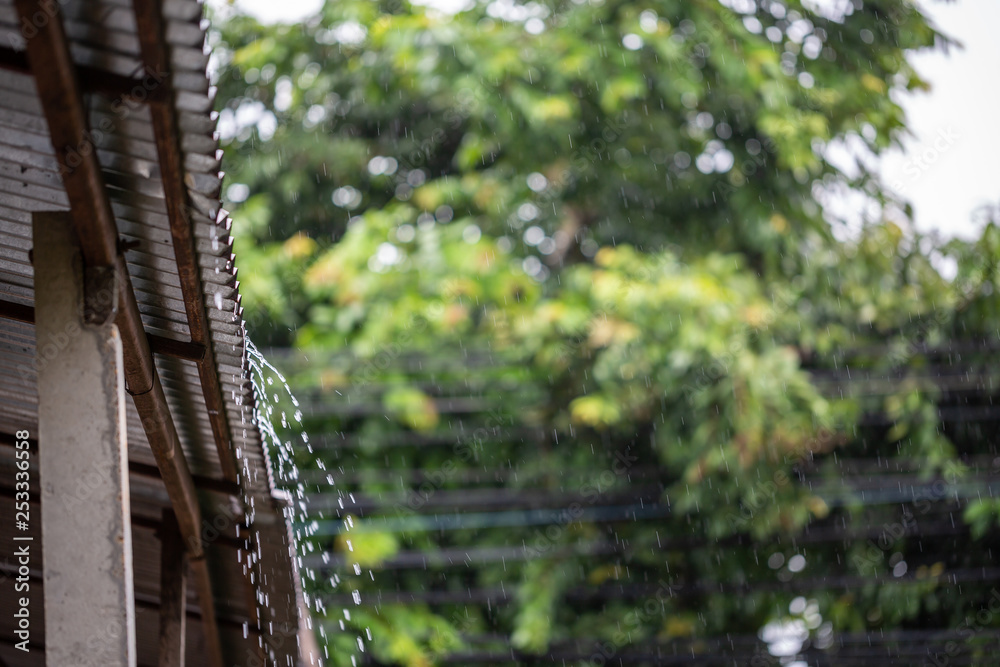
644, 123
571, 309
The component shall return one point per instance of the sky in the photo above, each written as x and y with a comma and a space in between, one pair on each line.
951, 165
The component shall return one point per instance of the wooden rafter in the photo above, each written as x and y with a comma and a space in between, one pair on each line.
166, 133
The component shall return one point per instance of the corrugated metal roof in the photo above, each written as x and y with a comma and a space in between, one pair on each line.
104, 38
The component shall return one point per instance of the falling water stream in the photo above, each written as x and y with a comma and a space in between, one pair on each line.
274, 402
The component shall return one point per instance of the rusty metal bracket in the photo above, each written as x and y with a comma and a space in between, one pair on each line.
100, 295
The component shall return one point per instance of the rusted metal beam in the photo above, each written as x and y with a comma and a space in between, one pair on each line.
201, 482
178, 349
167, 347
62, 103
139, 90
155, 55
173, 589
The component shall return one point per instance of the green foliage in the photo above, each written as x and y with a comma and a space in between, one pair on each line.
409, 636
603, 229
649, 122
